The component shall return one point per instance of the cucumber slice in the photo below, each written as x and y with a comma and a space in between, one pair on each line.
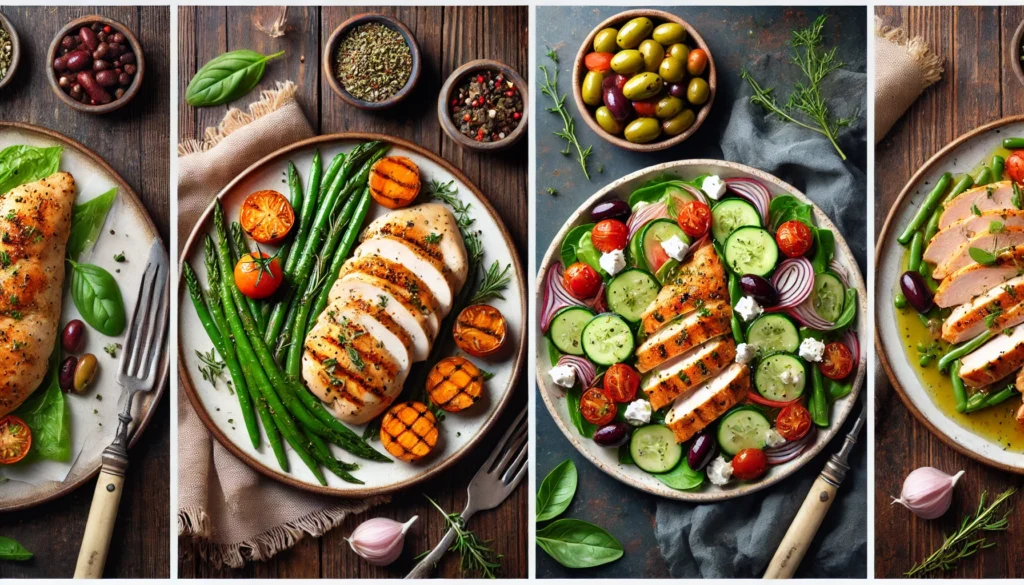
828, 296
654, 448
607, 339
566, 329
635, 255
773, 333
751, 250
651, 237
743, 427
731, 214
631, 292
781, 377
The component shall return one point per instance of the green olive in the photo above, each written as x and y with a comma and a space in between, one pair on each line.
668, 107
679, 123
672, 70
633, 32
591, 90
628, 62
642, 86
669, 33
653, 53
679, 52
85, 373
698, 91
606, 121
604, 40
643, 130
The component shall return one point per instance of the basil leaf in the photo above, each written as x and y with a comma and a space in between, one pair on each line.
24, 164
824, 250
227, 77
577, 544
98, 298
87, 221
47, 414
784, 208
681, 477
570, 244
625, 457
995, 227
556, 491
980, 256
588, 254
572, 402
11, 550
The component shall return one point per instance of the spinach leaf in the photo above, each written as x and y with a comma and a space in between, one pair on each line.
839, 389
577, 544
824, 250
11, 550
572, 402
571, 243
556, 491
681, 477
24, 164
227, 77
849, 310
588, 254
87, 222
98, 298
553, 354
625, 457
784, 208
47, 414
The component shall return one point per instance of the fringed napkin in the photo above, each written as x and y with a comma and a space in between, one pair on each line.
904, 68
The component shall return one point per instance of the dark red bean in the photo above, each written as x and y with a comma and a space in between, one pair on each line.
101, 65
116, 49
89, 38
124, 79
67, 42
127, 58
130, 69
79, 61
102, 36
118, 38
101, 51
96, 93
107, 78
60, 64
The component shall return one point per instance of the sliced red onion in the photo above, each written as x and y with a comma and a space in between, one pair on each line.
805, 313
697, 193
598, 303
644, 215
789, 450
793, 281
840, 271
754, 192
555, 296
585, 371
850, 339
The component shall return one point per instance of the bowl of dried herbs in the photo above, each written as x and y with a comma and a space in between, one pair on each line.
372, 61
10, 51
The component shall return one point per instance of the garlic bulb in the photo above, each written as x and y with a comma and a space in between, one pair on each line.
380, 540
928, 492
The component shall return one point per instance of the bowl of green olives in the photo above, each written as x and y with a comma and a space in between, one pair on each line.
644, 80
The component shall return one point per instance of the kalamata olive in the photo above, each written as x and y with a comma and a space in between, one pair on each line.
127, 58
612, 435
614, 80
916, 290
702, 451
68, 42
79, 61
107, 78
60, 64
89, 38
617, 104
73, 337
759, 288
677, 90
85, 373
101, 51
102, 36
614, 209
96, 93
66, 375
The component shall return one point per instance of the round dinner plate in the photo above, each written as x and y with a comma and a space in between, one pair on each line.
607, 459
93, 420
218, 408
960, 156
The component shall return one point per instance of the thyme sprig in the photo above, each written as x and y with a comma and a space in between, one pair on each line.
212, 367
477, 556
493, 285
568, 132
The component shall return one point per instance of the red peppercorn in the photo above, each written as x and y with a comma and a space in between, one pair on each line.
466, 117
107, 29
479, 78
510, 93
517, 115
455, 102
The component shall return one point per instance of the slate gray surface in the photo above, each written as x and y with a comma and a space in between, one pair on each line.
665, 538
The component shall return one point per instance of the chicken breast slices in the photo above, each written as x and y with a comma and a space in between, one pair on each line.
692, 413
971, 281
995, 360
994, 197
683, 334
376, 291
430, 229
403, 284
946, 241
996, 238
402, 253
687, 371
699, 281
998, 308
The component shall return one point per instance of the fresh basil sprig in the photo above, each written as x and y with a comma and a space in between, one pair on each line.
575, 544
11, 550
556, 491
98, 298
87, 221
227, 77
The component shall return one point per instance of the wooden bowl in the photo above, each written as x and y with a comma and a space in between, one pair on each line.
1016, 52
331, 49
449, 88
579, 71
15, 51
133, 89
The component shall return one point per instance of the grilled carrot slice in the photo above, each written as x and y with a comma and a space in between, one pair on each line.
409, 431
480, 330
394, 181
455, 384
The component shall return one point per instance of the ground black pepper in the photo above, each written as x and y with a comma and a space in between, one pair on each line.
486, 106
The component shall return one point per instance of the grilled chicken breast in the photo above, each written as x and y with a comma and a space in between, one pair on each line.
995, 360
35, 220
431, 230
946, 241
399, 281
971, 281
699, 281
993, 197
988, 241
357, 288
1002, 306
683, 334
685, 372
401, 253
692, 413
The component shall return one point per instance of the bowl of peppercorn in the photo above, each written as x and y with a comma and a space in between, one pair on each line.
482, 105
372, 61
10, 51
95, 65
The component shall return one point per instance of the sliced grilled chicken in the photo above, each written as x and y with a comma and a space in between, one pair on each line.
359, 287
1002, 306
992, 242
1019, 381
692, 413
700, 280
995, 360
400, 252
383, 319
683, 334
432, 230
402, 283
385, 337
994, 197
35, 220
946, 242
971, 281
689, 370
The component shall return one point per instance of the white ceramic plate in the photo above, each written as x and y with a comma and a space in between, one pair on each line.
607, 459
459, 433
959, 156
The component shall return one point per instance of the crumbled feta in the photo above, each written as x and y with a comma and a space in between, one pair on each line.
748, 309
564, 376
791, 376
638, 412
713, 186
745, 352
719, 471
772, 438
675, 248
613, 262
811, 349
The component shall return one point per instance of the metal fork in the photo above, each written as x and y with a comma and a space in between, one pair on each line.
137, 372
498, 478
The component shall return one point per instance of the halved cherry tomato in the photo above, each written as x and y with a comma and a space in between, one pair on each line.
1015, 166
600, 62
749, 464
15, 439
480, 330
646, 108
793, 422
267, 217
837, 361
621, 383
597, 407
610, 235
694, 218
794, 238
581, 280
258, 275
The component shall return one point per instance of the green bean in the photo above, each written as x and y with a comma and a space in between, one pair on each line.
932, 227
295, 199
916, 251
900, 300
238, 249
959, 390
962, 350
818, 402
998, 165
984, 177
926, 209
965, 183
1013, 143
323, 454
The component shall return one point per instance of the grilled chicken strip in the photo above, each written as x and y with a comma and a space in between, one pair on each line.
692, 413
357, 288
431, 230
944, 243
995, 360
400, 281
401, 253
993, 197
677, 376
1002, 306
683, 334
992, 242
35, 220
698, 281
971, 281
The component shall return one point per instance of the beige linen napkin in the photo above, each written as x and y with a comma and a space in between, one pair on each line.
227, 512
904, 68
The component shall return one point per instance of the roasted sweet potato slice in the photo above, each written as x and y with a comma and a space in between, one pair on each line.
455, 384
409, 431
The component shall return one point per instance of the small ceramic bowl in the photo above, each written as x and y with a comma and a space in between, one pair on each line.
1017, 52
15, 50
331, 51
693, 40
140, 63
451, 86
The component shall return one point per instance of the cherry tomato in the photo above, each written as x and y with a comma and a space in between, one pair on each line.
749, 464
793, 422
610, 235
794, 238
1015, 166
694, 218
696, 61
837, 361
15, 439
646, 108
600, 62
621, 383
597, 408
581, 280
267, 217
258, 275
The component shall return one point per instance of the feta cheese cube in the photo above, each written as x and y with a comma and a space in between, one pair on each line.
713, 186
772, 438
613, 262
564, 376
745, 352
748, 309
811, 349
719, 471
791, 376
675, 248
638, 412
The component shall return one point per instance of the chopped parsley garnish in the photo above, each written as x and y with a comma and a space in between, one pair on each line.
119, 257
113, 348
433, 238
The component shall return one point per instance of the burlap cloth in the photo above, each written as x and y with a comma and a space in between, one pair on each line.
904, 68
227, 512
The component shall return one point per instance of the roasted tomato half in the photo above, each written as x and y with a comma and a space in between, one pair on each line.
267, 217
694, 218
15, 439
258, 275
597, 407
621, 383
836, 361
794, 238
793, 422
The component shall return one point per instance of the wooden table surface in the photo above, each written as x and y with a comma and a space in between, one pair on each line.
447, 38
978, 87
53, 531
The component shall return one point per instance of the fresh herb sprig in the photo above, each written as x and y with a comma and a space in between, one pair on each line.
212, 367
568, 132
493, 285
477, 556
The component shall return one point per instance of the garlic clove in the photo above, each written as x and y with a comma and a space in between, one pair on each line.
380, 540
928, 492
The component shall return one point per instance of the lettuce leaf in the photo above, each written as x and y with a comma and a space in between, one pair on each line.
46, 412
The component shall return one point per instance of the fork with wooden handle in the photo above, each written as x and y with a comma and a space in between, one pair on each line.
495, 481
137, 372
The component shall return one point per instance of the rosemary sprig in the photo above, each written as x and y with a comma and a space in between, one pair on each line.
568, 132
494, 283
966, 541
477, 557
212, 368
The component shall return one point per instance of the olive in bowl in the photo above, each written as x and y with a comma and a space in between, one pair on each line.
96, 65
